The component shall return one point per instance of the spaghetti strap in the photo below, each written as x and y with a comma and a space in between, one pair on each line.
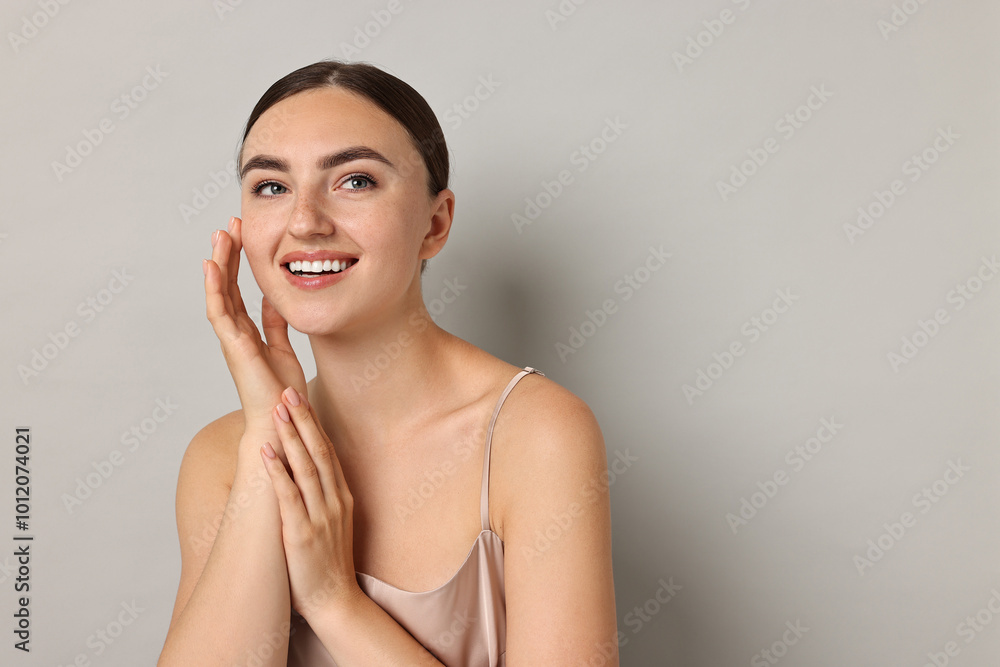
484, 504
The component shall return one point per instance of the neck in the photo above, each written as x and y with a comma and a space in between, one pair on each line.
371, 386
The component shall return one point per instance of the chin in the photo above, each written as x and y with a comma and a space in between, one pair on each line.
315, 324
309, 319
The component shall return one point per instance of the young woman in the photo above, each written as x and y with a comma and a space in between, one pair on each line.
387, 512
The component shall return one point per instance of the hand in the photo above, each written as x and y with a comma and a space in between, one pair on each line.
317, 525
260, 370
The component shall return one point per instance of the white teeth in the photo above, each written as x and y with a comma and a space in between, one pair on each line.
319, 266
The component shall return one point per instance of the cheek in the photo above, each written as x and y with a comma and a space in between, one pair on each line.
415, 224
255, 249
399, 246
390, 230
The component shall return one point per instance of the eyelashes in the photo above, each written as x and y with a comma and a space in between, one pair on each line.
259, 189
361, 176
256, 190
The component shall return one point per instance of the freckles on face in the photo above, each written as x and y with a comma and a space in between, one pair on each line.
311, 183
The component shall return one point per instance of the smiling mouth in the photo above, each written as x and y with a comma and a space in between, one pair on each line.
319, 268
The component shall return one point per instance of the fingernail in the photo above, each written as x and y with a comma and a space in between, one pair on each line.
204, 266
283, 413
215, 237
232, 221
292, 397
269, 451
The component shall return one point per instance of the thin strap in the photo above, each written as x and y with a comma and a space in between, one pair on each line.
484, 504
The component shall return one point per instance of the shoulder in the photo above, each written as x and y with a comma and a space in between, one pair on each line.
538, 410
541, 412
548, 450
211, 454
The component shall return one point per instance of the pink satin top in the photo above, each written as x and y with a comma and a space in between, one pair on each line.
463, 622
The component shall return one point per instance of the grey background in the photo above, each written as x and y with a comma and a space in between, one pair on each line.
685, 128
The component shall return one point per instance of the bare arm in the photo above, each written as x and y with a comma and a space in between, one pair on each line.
233, 598
233, 595
553, 505
362, 634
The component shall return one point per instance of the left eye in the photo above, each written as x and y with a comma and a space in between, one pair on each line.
359, 182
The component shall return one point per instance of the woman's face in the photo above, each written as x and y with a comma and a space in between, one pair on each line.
329, 177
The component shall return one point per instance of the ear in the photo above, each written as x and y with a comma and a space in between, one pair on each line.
442, 214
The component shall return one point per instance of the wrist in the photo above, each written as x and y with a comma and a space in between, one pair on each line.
331, 609
253, 439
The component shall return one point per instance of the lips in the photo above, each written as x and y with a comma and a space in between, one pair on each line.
317, 269
317, 262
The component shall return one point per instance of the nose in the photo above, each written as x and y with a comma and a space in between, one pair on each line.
310, 216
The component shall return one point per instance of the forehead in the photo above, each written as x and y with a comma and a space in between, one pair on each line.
321, 119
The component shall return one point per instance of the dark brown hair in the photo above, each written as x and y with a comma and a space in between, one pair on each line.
392, 95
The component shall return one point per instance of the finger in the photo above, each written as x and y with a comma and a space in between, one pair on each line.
304, 469
290, 505
275, 327
236, 234
320, 449
221, 255
215, 304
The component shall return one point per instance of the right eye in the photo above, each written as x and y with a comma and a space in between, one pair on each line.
269, 189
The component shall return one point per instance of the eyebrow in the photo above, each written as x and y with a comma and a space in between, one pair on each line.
270, 162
